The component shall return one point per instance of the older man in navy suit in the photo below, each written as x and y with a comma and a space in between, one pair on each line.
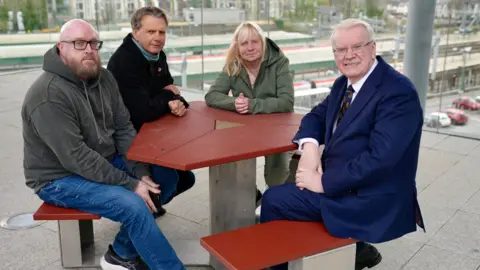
363, 184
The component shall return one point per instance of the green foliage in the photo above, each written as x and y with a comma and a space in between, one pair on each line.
43, 20
34, 14
3, 18
372, 10
30, 17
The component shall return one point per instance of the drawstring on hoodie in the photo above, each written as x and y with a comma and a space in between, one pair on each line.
101, 102
91, 110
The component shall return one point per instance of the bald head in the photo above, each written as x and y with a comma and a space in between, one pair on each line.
78, 47
75, 29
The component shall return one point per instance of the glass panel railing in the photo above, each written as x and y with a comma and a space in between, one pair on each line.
201, 31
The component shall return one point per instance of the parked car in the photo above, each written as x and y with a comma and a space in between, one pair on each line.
477, 99
458, 117
437, 119
466, 103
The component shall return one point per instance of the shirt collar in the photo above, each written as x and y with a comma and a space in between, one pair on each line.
358, 85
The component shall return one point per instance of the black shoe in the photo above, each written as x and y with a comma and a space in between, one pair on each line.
367, 256
111, 261
259, 198
160, 212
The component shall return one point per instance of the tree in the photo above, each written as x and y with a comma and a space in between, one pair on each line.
30, 17
372, 9
43, 20
3, 18
36, 9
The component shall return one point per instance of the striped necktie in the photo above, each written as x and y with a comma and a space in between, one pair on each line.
347, 100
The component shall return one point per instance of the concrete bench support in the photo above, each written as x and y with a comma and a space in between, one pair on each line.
75, 234
339, 259
77, 247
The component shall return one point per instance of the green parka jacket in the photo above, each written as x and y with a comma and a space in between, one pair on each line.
271, 93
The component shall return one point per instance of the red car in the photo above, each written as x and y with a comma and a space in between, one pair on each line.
466, 103
457, 116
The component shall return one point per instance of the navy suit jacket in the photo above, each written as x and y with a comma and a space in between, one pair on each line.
370, 161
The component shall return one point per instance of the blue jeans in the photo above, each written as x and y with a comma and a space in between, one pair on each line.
139, 233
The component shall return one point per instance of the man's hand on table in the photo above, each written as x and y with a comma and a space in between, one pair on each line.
177, 107
309, 172
145, 185
241, 104
172, 88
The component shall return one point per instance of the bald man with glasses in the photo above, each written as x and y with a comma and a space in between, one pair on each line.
76, 133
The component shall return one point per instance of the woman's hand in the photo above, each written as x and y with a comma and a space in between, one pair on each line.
241, 104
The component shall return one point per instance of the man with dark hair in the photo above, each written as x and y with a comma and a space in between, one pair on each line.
76, 133
140, 67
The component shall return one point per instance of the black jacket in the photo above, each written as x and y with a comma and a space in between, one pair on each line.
142, 83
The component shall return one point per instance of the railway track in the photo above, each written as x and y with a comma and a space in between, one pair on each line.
475, 48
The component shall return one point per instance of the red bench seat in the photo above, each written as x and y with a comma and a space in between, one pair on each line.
268, 244
51, 212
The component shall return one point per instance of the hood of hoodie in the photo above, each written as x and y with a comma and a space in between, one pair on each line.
53, 63
272, 53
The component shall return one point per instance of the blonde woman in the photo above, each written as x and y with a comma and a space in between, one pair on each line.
257, 74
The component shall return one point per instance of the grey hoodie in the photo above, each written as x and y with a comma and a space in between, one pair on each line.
74, 127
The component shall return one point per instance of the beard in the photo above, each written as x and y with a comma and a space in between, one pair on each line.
84, 70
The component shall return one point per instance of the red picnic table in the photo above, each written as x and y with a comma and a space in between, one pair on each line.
226, 142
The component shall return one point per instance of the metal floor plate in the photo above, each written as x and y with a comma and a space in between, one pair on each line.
20, 221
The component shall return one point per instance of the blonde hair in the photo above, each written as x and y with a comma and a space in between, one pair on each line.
233, 61
349, 23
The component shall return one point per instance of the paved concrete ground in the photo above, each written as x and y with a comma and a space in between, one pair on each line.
448, 184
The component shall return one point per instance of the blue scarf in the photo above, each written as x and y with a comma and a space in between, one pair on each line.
147, 55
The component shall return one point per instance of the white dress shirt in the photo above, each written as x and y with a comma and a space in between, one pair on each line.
357, 87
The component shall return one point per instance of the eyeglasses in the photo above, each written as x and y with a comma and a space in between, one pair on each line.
82, 44
355, 49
